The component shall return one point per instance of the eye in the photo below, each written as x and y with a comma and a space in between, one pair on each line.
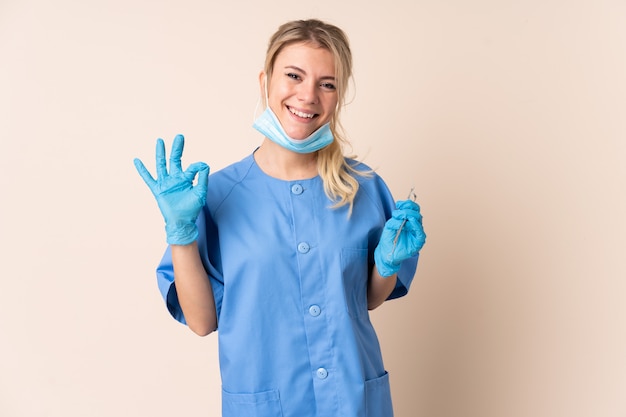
293, 76
328, 86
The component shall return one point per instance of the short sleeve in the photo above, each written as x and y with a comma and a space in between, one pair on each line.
405, 278
380, 193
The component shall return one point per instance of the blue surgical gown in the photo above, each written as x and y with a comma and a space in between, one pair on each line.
289, 275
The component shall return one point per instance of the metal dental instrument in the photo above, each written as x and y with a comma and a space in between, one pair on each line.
412, 196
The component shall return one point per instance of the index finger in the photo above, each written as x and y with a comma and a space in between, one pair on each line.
143, 172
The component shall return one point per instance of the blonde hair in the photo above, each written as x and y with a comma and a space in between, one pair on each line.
337, 174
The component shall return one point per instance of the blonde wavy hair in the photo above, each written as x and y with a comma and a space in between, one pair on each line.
337, 174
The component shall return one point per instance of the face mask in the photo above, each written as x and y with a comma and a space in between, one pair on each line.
269, 125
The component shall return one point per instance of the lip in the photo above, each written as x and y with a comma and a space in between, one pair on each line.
291, 109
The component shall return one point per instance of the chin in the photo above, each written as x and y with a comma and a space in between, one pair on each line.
300, 135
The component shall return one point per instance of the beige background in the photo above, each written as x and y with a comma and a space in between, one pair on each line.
508, 117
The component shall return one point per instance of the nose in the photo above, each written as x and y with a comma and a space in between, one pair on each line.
307, 92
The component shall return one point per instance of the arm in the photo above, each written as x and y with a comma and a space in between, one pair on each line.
379, 288
180, 203
194, 290
402, 238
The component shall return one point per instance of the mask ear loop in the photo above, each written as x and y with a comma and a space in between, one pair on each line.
258, 102
256, 109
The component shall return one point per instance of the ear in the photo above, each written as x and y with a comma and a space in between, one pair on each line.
262, 80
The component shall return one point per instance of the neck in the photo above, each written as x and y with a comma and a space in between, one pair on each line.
284, 164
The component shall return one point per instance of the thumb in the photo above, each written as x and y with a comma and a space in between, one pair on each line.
202, 171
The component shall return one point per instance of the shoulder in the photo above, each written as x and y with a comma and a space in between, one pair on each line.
234, 172
367, 177
372, 187
223, 181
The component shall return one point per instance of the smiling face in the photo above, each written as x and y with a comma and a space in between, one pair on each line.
302, 89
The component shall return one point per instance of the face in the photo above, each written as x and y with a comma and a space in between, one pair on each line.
302, 90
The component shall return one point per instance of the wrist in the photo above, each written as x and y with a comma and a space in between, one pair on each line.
181, 232
384, 267
385, 271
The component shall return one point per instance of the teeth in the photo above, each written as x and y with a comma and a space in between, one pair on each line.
300, 114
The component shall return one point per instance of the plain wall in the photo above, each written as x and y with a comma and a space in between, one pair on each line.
508, 117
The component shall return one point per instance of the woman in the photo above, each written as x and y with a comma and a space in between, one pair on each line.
288, 249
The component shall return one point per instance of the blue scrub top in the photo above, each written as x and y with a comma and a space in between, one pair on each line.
289, 276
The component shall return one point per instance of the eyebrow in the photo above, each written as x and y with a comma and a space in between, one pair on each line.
326, 77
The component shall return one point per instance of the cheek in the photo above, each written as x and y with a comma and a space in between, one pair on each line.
274, 102
278, 87
276, 97
331, 103
331, 108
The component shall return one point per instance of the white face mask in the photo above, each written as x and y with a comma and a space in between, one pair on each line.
269, 125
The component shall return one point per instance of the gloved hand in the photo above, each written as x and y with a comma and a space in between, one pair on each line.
179, 200
402, 238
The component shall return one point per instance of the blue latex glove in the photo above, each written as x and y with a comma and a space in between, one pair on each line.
179, 200
402, 238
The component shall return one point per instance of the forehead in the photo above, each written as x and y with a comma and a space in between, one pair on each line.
307, 56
